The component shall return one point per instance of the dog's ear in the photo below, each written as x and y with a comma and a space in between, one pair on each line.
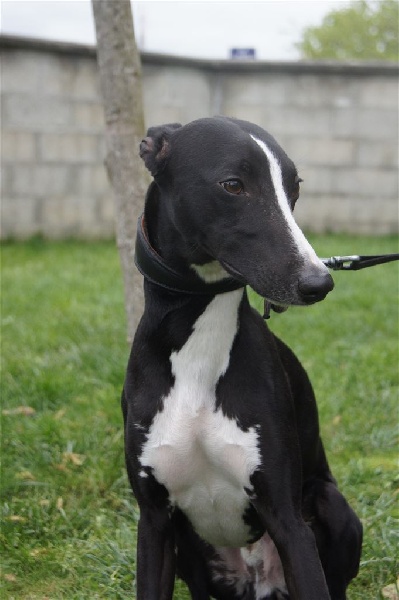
154, 148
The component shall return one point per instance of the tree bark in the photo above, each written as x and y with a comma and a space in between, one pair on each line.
121, 87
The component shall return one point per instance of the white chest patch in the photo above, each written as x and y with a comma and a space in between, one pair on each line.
201, 456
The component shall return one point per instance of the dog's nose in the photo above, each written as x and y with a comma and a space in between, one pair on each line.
314, 288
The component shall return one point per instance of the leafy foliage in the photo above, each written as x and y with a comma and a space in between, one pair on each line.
363, 30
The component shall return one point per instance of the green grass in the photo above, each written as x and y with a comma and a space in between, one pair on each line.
68, 517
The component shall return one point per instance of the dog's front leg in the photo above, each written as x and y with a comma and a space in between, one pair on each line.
302, 567
155, 556
296, 546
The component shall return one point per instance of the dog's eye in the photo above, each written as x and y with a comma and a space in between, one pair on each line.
233, 186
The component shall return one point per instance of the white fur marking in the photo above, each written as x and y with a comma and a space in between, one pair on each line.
266, 564
303, 246
201, 456
210, 272
258, 563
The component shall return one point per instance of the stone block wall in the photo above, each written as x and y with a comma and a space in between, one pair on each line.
339, 123
54, 182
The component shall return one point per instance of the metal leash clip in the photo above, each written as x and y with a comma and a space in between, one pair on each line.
341, 263
355, 263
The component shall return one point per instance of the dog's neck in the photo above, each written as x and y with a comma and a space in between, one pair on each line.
163, 234
165, 259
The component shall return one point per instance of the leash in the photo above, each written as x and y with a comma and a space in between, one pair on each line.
341, 263
355, 263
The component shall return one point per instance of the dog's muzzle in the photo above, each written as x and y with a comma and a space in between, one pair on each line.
313, 288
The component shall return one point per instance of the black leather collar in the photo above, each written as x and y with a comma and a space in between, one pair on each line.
155, 270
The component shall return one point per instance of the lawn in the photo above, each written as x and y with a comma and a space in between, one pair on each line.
68, 517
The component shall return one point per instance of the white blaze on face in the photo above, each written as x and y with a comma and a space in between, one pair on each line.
304, 248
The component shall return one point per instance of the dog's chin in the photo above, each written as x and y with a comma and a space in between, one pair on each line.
278, 308
275, 305
233, 272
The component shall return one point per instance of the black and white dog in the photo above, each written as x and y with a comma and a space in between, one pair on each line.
222, 438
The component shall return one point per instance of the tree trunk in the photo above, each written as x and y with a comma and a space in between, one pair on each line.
121, 87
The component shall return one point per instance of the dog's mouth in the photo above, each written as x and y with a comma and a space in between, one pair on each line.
297, 289
268, 306
233, 272
276, 307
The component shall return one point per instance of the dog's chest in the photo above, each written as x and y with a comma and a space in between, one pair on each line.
204, 458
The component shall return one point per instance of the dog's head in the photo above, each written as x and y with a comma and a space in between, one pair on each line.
230, 190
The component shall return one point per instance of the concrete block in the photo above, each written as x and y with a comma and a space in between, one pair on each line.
297, 121
324, 212
35, 113
157, 115
92, 180
40, 180
66, 212
316, 180
254, 89
86, 209
248, 113
70, 76
316, 91
20, 72
267, 117
378, 124
107, 209
379, 93
366, 123
68, 147
6, 179
362, 182
376, 216
102, 149
343, 122
88, 116
19, 217
17, 146
321, 151
376, 153
53, 216
311, 212
178, 91
58, 72
94, 230
85, 80
279, 90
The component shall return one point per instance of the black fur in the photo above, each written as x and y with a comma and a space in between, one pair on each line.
191, 219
